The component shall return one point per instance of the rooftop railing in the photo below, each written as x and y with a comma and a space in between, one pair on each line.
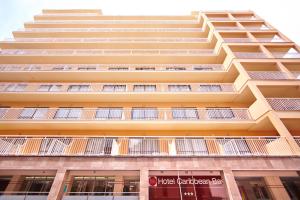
141, 39
112, 67
144, 146
126, 87
149, 52
124, 114
111, 30
246, 55
268, 75
285, 104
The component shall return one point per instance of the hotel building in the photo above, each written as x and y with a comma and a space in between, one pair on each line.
198, 107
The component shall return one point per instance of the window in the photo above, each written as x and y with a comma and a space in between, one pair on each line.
99, 146
203, 68
220, 113
191, 146
144, 113
68, 113
109, 113
179, 88
78, 88
101, 185
210, 88
142, 146
33, 113
144, 88
145, 68
185, 113
175, 68
36, 185
86, 68
16, 87
114, 88
118, 68
253, 188
49, 88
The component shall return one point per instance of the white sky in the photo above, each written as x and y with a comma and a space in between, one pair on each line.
283, 15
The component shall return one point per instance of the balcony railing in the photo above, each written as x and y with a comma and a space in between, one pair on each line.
113, 67
100, 87
270, 40
246, 55
228, 28
7, 195
144, 146
268, 75
297, 139
257, 28
111, 30
148, 52
141, 39
120, 114
285, 104
296, 74
219, 18
285, 55
115, 22
101, 196
237, 40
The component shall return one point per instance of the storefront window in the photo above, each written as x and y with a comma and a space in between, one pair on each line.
4, 181
131, 186
292, 186
37, 185
253, 188
99, 185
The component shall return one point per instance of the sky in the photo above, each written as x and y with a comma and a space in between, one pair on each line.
283, 15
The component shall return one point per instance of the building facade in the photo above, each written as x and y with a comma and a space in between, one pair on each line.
198, 107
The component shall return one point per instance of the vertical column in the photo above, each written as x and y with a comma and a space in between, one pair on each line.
276, 188
14, 184
118, 186
144, 185
231, 186
56, 190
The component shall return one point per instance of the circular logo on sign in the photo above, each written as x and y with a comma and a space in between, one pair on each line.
152, 181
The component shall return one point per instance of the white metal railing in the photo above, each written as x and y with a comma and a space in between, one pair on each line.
144, 146
26, 195
285, 104
61, 87
257, 28
219, 18
111, 67
137, 39
285, 55
107, 52
115, 22
245, 55
111, 30
270, 39
297, 139
134, 114
237, 40
268, 75
228, 28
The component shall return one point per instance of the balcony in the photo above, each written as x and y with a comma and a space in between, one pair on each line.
268, 75
111, 30
144, 146
116, 73
111, 92
284, 104
118, 39
144, 52
118, 118
237, 40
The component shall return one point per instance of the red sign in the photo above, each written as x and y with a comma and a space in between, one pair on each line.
186, 188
